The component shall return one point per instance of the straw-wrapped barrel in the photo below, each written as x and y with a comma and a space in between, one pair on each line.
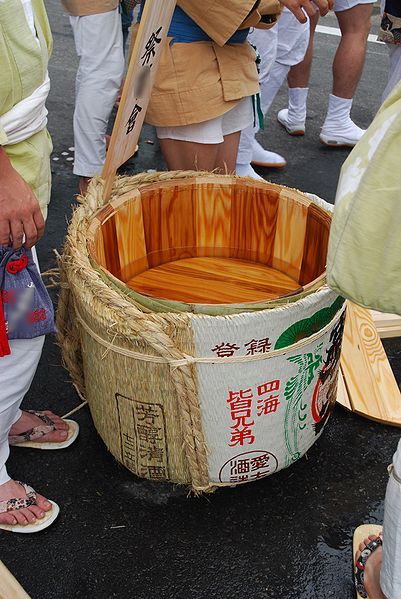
195, 319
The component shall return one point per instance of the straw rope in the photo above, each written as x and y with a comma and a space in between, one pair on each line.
111, 346
78, 276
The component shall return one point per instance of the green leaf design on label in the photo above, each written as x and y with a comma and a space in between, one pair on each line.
306, 327
295, 388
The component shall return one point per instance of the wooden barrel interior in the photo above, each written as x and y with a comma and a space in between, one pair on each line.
212, 240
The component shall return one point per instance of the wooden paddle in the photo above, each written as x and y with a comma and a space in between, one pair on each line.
143, 65
10, 588
370, 388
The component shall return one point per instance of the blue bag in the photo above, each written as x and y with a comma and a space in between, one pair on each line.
27, 307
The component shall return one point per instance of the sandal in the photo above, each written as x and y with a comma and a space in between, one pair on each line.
11, 505
361, 533
29, 437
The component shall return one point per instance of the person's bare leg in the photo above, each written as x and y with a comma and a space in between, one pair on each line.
187, 155
372, 570
338, 128
227, 153
293, 118
349, 59
299, 74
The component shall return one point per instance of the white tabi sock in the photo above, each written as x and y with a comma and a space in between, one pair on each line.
297, 97
338, 127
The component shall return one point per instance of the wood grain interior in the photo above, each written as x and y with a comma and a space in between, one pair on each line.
213, 281
315, 244
266, 231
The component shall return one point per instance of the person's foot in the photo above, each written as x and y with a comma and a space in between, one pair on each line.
24, 516
262, 157
338, 134
292, 127
372, 570
245, 170
29, 421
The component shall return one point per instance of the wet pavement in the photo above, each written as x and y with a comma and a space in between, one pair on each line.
284, 537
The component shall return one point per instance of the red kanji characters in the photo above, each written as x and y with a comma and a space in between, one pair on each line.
241, 435
225, 350
240, 410
260, 462
269, 404
258, 346
240, 407
268, 387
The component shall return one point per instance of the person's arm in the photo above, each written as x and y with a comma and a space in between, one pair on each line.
20, 213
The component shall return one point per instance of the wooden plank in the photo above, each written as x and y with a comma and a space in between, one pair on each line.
213, 281
110, 243
213, 219
372, 389
138, 85
10, 588
389, 332
169, 223
253, 222
387, 325
342, 393
290, 231
315, 244
131, 238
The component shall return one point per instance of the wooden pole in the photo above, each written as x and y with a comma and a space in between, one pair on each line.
10, 588
143, 65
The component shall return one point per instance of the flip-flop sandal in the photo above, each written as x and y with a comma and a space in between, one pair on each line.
361, 533
11, 505
29, 437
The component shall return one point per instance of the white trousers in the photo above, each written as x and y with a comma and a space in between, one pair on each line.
99, 45
16, 374
390, 575
280, 47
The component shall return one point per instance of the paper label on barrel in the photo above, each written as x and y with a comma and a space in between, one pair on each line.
143, 438
261, 416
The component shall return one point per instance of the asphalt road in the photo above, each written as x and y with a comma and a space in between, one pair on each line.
285, 537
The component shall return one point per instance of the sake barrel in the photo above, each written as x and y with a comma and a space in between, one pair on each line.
195, 318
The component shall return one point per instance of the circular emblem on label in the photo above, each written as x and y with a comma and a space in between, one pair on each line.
248, 466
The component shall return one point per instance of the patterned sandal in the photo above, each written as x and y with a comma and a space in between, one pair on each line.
29, 437
11, 505
360, 534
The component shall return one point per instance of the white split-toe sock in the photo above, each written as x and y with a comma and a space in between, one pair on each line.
245, 170
262, 157
293, 118
338, 128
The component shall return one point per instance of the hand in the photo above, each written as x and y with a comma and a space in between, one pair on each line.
20, 214
296, 6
